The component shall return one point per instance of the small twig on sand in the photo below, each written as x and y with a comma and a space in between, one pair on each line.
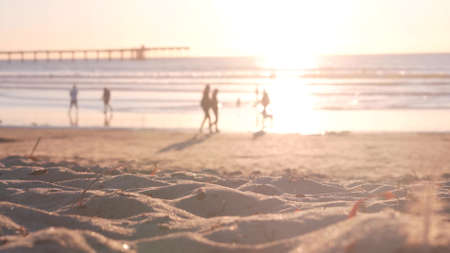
35, 146
80, 199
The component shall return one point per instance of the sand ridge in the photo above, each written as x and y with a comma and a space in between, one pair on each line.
48, 205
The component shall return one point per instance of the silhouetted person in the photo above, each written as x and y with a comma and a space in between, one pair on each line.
205, 103
215, 108
256, 96
106, 98
238, 102
107, 107
265, 101
73, 102
256, 103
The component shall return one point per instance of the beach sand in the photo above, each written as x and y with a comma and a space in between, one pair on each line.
106, 190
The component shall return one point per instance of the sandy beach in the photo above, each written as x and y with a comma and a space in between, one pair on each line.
326, 126
113, 190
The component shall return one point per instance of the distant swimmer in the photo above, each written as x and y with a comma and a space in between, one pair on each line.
215, 108
107, 107
73, 103
205, 103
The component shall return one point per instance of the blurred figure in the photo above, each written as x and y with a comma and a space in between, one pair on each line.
74, 97
106, 98
215, 108
256, 96
256, 103
238, 102
107, 107
73, 102
265, 101
205, 103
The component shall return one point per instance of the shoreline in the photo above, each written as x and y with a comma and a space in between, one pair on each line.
205, 131
242, 121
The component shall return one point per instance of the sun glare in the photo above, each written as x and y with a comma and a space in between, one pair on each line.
292, 106
292, 102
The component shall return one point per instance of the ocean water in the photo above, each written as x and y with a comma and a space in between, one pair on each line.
311, 95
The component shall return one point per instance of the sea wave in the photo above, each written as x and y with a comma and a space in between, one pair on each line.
313, 74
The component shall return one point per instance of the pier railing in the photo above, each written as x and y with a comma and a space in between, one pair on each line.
140, 53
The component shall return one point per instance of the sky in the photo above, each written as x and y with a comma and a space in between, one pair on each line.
230, 27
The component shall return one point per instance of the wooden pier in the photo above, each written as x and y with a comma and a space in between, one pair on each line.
140, 53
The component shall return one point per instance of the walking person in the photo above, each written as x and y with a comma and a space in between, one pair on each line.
205, 103
73, 103
256, 104
215, 108
106, 98
107, 107
256, 96
265, 101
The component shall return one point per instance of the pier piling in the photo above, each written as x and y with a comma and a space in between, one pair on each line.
140, 53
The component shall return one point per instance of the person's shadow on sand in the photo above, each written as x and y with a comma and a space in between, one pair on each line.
258, 134
196, 139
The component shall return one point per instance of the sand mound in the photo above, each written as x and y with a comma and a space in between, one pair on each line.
382, 232
35, 219
265, 189
29, 184
127, 181
112, 206
297, 185
44, 198
173, 191
80, 183
193, 242
186, 242
64, 240
221, 201
9, 227
46, 207
269, 228
51, 174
